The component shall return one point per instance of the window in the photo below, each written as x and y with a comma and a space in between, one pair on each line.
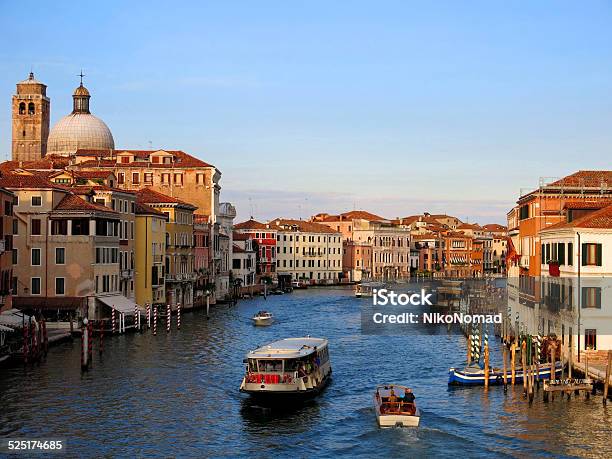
22, 108
524, 212
60, 255
591, 254
31, 108
591, 297
165, 178
200, 179
590, 339
178, 179
35, 285
148, 177
136, 178
60, 285
35, 257
8, 208
35, 227
59, 227
15, 227
15, 256
36, 201
121, 178
125, 159
80, 227
570, 253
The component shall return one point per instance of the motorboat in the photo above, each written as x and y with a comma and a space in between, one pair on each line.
366, 289
287, 369
263, 318
395, 406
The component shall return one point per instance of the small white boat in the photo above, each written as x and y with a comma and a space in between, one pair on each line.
366, 289
263, 318
395, 406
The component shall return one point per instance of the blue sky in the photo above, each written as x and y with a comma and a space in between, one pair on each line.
395, 107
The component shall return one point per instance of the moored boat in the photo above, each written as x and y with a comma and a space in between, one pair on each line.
287, 369
473, 375
366, 289
263, 318
395, 406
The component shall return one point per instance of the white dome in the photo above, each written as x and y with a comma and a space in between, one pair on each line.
79, 130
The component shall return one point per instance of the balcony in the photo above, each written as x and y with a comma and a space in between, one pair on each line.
126, 273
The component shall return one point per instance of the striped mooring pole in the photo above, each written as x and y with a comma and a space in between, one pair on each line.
148, 306
178, 316
155, 321
168, 318
136, 317
113, 322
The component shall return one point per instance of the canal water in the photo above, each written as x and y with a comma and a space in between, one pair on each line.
177, 394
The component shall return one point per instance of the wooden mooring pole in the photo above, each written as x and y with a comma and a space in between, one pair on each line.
504, 352
513, 362
486, 366
523, 364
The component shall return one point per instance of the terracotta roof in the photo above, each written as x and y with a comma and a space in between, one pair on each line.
362, 214
182, 159
467, 226
238, 249
601, 218
592, 179
494, 227
28, 181
73, 202
250, 225
48, 162
302, 225
149, 196
600, 204
143, 209
420, 237
241, 236
98, 163
458, 234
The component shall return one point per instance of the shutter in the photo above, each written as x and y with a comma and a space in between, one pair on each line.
561, 253
598, 296
584, 254
584, 298
598, 255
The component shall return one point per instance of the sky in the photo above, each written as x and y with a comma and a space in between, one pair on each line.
305, 107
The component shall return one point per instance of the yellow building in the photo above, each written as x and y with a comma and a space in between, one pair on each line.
179, 269
150, 249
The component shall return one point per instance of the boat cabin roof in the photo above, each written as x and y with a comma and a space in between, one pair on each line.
288, 348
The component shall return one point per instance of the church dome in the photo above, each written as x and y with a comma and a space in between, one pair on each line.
80, 129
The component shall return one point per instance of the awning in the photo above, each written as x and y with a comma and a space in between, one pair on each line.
119, 303
5, 329
13, 318
63, 303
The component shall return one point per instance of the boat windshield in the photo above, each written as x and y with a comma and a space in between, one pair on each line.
270, 366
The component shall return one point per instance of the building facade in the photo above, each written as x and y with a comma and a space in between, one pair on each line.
179, 269
307, 251
150, 256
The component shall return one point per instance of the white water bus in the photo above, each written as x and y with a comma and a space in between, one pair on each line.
291, 368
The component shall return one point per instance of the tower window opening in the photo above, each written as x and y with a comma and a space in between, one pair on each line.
31, 108
24, 133
22, 108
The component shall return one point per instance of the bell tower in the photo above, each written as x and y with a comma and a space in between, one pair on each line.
31, 113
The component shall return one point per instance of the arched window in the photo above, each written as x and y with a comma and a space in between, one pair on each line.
31, 108
22, 108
